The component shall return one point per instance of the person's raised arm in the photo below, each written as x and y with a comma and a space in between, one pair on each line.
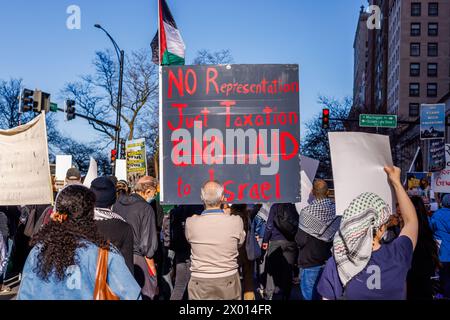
408, 212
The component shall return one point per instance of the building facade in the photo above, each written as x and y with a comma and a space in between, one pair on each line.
419, 44
408, 65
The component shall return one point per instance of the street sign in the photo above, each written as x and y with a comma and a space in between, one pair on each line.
378, 120
53, 107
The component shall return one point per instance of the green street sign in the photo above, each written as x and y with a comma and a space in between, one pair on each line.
53, 107
378, 120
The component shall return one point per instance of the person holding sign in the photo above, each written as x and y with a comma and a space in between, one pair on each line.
361, 268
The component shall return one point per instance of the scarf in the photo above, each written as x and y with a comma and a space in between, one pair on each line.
319, 220
263, 213
101, 214
352, 246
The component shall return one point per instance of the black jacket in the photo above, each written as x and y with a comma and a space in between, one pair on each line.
120, 234
312, 252
141, 217
178, 216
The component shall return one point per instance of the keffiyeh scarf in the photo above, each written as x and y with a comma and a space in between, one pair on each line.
101, 214
353, 242
319, 219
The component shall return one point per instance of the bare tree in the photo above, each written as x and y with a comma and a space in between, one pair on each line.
9, 104
96, 94
315, 142
204, 56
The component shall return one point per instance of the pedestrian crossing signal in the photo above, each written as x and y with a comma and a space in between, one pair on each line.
325, 118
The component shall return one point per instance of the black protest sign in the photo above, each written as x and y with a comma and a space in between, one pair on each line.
436, 159
238, 124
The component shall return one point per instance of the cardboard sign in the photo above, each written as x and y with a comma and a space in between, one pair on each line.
63, 163
92, 173
136, 160
441, 180
24, 166
238, 124
419, 184
308, 173
358, 161
121, 169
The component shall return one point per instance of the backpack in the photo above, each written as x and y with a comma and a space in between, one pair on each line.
286, 220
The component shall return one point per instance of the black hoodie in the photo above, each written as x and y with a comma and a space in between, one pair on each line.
141, 217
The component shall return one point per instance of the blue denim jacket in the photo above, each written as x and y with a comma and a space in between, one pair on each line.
80, 281
260, 226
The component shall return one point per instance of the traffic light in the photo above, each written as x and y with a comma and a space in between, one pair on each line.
26, 101
70, 110
325, 118
41, 101
122, 148
113, 155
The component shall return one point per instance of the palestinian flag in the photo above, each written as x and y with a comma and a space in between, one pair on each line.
172, 47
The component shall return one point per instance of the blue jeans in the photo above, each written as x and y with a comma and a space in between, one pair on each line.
309, 277
9, 244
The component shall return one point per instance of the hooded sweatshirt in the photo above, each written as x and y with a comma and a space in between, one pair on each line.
141, 217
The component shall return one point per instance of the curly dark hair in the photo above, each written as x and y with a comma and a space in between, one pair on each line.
58, 242
425, 239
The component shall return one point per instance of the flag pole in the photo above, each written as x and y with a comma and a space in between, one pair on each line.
159, 31
159, 146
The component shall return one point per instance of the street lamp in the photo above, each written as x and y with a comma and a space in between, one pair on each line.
120, 56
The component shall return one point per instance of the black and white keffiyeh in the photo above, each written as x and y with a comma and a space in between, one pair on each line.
319, 219
101, 214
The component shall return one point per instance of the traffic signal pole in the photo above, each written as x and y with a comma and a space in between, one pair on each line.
100, 122
417, 122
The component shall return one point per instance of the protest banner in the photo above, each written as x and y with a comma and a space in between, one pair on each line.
136, 160
436, 155
307, 175
24, 165
238, 124
63, 163
441, 181
121, 169
432, 121
358, 161
419, 184
92, 173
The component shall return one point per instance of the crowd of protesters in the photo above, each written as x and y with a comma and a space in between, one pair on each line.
116, 241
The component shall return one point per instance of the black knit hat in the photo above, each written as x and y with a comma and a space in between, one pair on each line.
105, 192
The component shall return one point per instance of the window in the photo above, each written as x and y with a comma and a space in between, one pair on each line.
433, 9
432, 70
414, 109
416, 9
432, 90
414, 90
415, 49
414, 69
415, 29
432, 49
432, 29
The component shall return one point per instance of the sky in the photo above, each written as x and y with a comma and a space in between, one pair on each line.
37, 46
